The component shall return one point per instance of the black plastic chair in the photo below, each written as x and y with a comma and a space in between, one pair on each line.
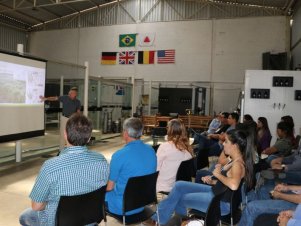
202, 160
157, 133
213, 214
139, 192
80, 210
235, 212
185, 172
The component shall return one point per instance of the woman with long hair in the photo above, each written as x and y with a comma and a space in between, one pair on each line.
291, 134
263, 134
185, 195
171, 153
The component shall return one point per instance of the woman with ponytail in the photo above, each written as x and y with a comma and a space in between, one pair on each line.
239, 146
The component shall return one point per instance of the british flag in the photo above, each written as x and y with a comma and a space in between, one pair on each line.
127, 57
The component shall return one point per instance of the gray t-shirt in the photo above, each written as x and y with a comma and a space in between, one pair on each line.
283, 146
69, 106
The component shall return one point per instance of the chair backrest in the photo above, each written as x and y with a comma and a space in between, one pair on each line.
235, 212
140, 191
82, 209
202, 158
213, 213
186, 170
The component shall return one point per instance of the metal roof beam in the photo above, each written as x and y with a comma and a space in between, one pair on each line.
73, 14
21, 13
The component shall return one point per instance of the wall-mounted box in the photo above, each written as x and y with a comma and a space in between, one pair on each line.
260, 94
279, 81
297, 94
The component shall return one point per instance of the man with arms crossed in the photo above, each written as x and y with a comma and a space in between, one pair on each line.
75, 171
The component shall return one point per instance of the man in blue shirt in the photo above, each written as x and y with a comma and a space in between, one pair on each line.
134, 159
75, 171
70, 105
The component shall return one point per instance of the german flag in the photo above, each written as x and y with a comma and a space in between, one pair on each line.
108, 58
146, 57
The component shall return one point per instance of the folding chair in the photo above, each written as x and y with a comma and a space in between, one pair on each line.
80, 210
139, 192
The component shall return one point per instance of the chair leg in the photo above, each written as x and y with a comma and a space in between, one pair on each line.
123, 220
158, 218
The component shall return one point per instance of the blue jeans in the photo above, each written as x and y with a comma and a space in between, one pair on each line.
258, 207
200, 174
187, 195
203, 142
30, 217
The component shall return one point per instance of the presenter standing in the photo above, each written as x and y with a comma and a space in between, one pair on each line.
70, 105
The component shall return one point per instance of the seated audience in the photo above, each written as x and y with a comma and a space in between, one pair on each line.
201, 140
185, 195
289, 119
250, 128
263, 134
213, 126
283, 146
290, 166
283, 197
170, 154
248, 118
223, 159
216, 145
75, 171
134, 159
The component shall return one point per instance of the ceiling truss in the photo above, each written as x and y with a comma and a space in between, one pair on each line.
37, 14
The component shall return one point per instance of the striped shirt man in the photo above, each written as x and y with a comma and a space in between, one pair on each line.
76, 171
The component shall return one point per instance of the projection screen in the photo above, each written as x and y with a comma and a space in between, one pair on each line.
22, 82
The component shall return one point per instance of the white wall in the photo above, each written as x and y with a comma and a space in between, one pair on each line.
281, 100
217, 51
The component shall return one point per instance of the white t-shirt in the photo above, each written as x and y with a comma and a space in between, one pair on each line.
169, 159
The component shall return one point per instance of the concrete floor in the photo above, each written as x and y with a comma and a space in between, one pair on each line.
17, 179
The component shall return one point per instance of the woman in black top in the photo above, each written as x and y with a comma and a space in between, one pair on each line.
239, 147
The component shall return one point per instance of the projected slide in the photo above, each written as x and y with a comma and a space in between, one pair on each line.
21, 84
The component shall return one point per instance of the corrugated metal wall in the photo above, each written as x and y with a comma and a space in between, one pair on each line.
10, 37
133, 11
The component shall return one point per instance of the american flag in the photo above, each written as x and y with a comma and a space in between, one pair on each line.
127, 57
166, 56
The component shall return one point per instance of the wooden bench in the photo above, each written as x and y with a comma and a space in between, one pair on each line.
196, 121
149, 122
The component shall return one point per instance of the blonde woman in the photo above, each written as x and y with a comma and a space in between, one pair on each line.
171, 153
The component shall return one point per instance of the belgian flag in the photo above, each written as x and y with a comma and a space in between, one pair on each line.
108, 57
146, 57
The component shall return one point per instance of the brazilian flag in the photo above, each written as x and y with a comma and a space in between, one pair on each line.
127, 40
